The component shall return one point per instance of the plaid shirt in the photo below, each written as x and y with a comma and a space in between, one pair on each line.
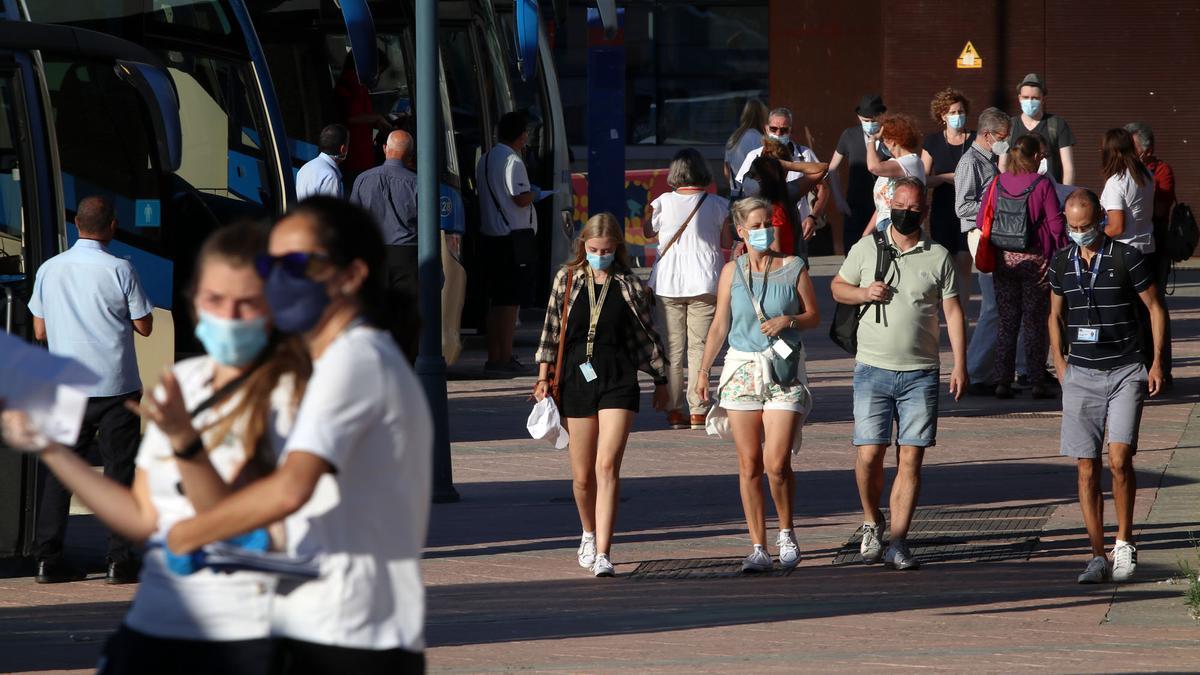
645, 343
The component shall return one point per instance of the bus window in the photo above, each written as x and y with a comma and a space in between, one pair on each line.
10, 186
469, 119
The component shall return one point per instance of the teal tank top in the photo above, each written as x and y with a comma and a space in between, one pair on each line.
779, 298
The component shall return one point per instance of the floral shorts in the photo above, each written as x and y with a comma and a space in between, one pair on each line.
742, 392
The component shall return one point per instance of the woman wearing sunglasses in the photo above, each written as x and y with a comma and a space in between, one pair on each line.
353, 482
248, 385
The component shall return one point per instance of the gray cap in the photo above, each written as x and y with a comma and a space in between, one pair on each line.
1032, 80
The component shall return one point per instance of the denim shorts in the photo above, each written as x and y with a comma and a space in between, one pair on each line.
887, 399
1095, 399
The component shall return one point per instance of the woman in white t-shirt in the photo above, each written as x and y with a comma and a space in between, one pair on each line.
745, 138
1128, 195
353, 483
205, 622
899, 135
690, 225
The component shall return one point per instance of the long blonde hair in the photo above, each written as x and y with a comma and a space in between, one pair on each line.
754, 116
600, 226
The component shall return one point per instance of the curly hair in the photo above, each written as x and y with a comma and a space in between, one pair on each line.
900, 130
942, 102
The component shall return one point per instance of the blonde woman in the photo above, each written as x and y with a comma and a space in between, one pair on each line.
607, 335
764, 298
745, 138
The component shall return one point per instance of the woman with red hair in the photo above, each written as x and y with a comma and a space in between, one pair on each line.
899, 136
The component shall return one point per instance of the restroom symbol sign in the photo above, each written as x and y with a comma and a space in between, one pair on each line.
147, 213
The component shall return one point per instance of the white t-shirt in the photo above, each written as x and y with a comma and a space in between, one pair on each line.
912, 165
692, 265
1122, 193
799, 154
365, 413
508, 178
736, 156
205, 605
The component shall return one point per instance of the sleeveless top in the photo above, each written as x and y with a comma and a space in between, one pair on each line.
779, 298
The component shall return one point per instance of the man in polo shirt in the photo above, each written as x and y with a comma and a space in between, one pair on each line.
1096, 283
86, 304
897, 371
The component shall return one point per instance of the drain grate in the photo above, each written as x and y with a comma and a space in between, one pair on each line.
697, 568
939, 534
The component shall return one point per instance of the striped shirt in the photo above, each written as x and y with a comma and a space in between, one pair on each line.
974, 172
1108, 307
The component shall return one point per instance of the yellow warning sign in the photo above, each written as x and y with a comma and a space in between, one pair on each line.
969, 58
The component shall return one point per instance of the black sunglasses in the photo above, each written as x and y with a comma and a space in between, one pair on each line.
294, 264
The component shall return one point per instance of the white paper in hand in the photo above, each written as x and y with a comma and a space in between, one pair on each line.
544, 423
50, 389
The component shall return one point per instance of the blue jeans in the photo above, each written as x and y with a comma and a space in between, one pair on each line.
884, 399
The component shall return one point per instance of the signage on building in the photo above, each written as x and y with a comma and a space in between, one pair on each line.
969, 58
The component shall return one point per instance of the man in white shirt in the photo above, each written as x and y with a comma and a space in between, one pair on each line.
321, 175
779, 129
509, 243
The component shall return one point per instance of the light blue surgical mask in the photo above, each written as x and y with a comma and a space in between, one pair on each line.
870, 128
600, 262
956, 122
232, 342
761, 239
782, 139
1084, 238
1031, 106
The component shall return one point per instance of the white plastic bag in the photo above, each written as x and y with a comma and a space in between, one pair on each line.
545, 424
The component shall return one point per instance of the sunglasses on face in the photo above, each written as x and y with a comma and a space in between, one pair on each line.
294, 264
778, 130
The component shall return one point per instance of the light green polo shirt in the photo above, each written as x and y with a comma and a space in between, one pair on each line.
906, 335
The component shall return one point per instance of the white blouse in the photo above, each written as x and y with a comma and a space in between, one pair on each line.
693, 264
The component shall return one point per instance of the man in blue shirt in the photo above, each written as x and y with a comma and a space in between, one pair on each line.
86, 304
321, 175
389, 193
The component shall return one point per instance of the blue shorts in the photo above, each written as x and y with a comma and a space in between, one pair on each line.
887, 399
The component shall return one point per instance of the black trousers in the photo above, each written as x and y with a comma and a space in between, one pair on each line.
129, 652
403, 274
118, 433
306, 658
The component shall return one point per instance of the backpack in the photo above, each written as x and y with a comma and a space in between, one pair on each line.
1011, 229
844, 329
1182, 235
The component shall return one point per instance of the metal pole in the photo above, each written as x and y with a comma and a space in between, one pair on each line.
431, 365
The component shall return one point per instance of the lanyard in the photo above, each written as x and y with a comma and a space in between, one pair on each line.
757, 302
1094, 269
595, 308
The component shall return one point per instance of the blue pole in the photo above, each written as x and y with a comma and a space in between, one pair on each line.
431, 365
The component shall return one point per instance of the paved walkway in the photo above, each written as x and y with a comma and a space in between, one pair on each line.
505, 592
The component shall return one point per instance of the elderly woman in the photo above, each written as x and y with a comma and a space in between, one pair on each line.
940, 156
899, 136
689, 224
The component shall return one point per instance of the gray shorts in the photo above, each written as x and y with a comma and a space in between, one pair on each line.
1093, 399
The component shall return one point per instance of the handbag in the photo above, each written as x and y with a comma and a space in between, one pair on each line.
556, 383
784, 372
985, 253
679, 233
844, 329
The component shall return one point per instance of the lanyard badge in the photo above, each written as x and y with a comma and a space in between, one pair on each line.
1088, 334
595, 306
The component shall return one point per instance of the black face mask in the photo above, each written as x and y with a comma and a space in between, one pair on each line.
906, 222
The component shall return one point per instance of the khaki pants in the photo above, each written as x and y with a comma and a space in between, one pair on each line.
686, 322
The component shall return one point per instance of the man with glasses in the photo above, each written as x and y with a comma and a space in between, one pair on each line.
779, 130
974, 173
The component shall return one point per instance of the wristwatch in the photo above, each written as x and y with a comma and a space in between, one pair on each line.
792, 322
194, 448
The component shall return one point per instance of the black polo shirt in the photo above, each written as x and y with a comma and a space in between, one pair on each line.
1111, 309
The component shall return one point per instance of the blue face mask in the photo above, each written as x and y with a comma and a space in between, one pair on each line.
232, 342
956, 122
760, 240
296, 302
600, 262
782, 139
1084, 238
870, 128
1031, 106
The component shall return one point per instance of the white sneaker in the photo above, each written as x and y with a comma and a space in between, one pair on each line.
758, 561
587, 551
871, 548
1096, 571
789, 551
899, 557
1124, 562
603, 568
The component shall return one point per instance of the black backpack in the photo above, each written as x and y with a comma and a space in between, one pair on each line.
844, 329
1011, 228
1182, 235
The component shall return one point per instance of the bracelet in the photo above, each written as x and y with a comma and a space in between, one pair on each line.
541, 381
194, 448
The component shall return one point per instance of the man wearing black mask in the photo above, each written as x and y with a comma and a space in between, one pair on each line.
896, 373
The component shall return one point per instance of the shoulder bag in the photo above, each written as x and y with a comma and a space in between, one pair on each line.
844, 329
556, 383
679, 233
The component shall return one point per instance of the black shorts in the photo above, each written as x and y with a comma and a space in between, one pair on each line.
615, 387
509, 263
307, 658
129, 652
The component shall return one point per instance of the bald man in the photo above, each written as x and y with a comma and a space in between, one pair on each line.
1096, 345
389, 193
